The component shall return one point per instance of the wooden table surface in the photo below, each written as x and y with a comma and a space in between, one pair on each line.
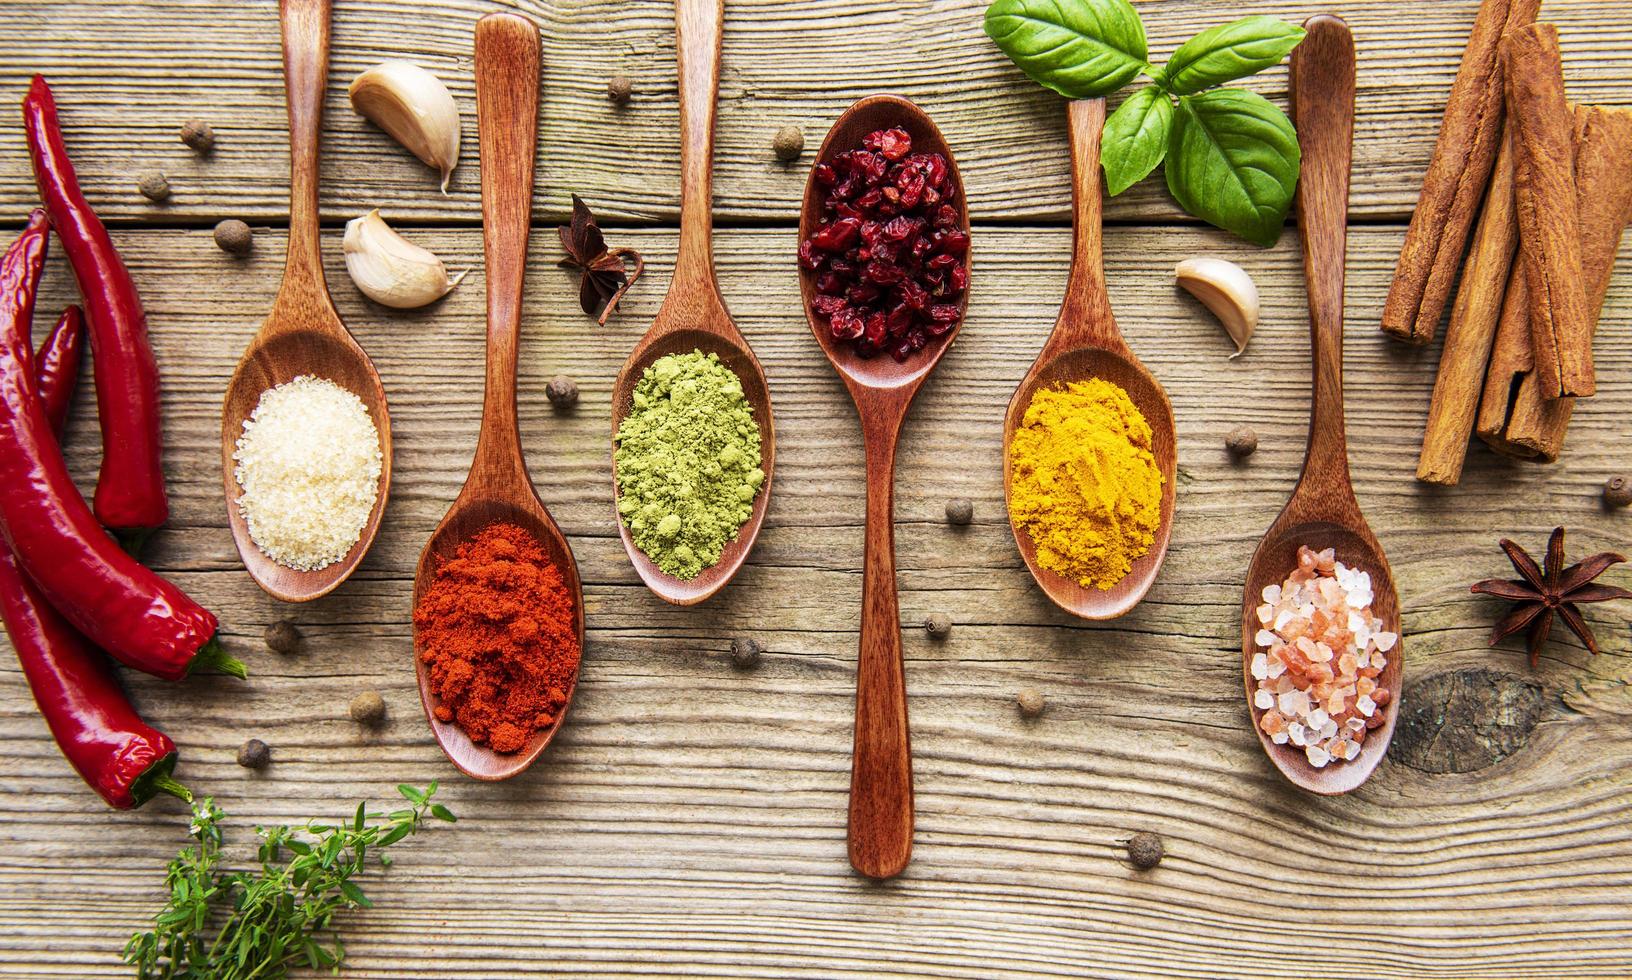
690, 818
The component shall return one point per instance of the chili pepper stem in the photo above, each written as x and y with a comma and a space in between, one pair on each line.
212, 656
133, 539
173, 786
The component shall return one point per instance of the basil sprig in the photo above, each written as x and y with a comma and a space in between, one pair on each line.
1232, 156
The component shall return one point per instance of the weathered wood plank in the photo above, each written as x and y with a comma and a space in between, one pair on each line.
128, 76
690, 819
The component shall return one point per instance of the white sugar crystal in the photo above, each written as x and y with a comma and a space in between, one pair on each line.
1272, 594
1329, 729
1294, 704
1260, 668
1365, 705
1276, 669
1266, 612
1317, 718
1294, 731
1385, 641
1355, 724
1263, 700
1318, 757
1284, 617
1279, 738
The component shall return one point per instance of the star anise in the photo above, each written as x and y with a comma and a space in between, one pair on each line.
1557, 589
604, 276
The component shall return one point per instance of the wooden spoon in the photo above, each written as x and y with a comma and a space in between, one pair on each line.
498, 489
1323, 512
303, 334
881, 809
1086, 344
693, 315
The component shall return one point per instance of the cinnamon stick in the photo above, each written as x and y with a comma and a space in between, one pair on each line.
1469, 137
1603, 194
1549, 227
1510, 363
1472, 333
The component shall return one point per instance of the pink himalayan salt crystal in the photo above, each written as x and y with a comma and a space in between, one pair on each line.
1323, 652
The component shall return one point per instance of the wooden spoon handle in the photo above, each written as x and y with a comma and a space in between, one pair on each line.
699, 26
1323, 110
1085, 315
305, 26
508, 61
881, 764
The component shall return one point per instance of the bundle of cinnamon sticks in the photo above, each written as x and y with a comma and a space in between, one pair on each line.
1550, 185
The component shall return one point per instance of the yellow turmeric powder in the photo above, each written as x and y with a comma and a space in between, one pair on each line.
1085, 484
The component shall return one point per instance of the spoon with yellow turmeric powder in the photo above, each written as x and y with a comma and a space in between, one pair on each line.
1088, 447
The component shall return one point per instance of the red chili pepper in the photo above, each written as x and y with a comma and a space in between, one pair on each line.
136, 616
120, 756
130, 488
57, 366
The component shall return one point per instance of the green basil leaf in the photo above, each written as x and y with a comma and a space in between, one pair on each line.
1227, 52
1079, 48
1232, 160
1135, 138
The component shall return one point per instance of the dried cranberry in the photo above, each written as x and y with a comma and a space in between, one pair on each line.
827, 304
901, 228
900, 317
809, 257
830, 283
825, 175
846, 324
901, 350
911, 185
893, 143
953, 241
923, 246
945, 313
836, 235
861, 295
958, 279
882, 272
912, 295
946, 216
942, 262
877, 329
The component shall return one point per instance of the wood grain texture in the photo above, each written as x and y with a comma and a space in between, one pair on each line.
690, 818
128, 75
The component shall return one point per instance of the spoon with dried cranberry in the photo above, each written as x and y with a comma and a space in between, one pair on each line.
884, 243
1086, 344
693, 315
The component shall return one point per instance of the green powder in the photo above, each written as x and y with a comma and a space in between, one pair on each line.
688, 462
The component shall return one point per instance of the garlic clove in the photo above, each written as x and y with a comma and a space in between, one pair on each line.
1227, 290
391, 270
413, 106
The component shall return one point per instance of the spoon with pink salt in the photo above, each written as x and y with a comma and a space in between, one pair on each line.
1323, 512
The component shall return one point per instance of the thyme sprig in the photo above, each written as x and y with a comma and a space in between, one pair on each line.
257, 925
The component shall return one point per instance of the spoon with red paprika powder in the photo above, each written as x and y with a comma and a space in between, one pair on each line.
498, 509
303, 334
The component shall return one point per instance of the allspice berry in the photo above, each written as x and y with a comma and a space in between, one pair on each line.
283, 637
562, 392
368, 708
154, 186
198, 135
254, 754
960, 511
1031, 702
619, 88
1618, 491
938, 625
745, 653
1145, 850
1241, 442
788, 143
234, 237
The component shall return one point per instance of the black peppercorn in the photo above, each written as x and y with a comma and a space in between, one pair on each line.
562, 392
745, 653
1618, 491
254, 754
282, 636
938, 625
198, 135
788, 143
960, 510
154, 186
368, 708
1145, 850
1241, 442
619, 88
1031, 702
234, 236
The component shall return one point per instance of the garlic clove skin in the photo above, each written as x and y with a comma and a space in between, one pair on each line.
413, 106
391, 270
1225, 289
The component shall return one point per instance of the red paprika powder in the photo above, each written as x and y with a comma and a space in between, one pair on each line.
497, 634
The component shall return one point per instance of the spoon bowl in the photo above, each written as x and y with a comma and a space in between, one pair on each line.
881, 801
303, 334
1323, 512
694, 315
508, 65
1086, 344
